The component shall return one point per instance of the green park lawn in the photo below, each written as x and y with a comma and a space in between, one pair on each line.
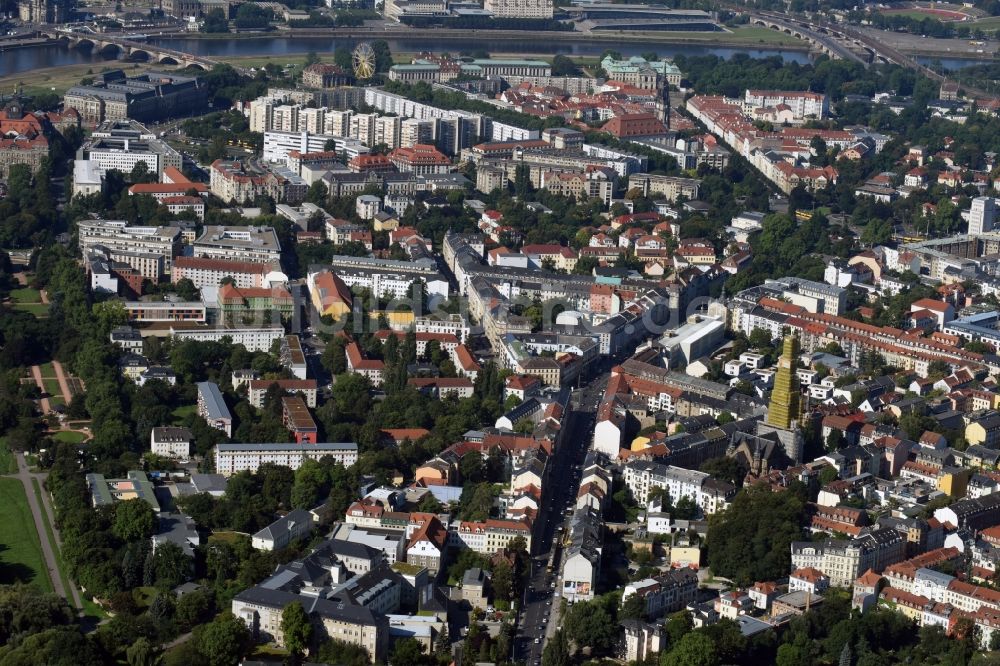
51, 385
181, 413
20, 548
25, 295
37, 309
69, 437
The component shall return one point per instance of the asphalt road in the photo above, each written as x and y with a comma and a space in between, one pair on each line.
540, 606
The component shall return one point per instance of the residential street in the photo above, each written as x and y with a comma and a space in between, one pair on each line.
540, 610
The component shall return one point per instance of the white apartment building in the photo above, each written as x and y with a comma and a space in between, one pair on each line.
414, 131
168, 442
388, 131
205, 272
982, 215
277, 144
532, 9
802, 104
254, 339
233, 458
455, 324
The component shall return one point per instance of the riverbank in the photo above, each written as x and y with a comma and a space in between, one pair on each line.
739, 37
60, 79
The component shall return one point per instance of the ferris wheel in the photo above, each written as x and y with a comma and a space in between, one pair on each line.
364, 61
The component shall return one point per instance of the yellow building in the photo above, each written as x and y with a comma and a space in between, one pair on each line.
398, 320
329, 294
954, 482
639, 443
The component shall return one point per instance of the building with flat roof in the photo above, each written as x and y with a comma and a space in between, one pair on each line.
296, 417
149, 250
148, 96
123, 144
135, 486
212, 407
247, 244
233, 458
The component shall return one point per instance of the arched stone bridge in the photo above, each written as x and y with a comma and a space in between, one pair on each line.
128, 49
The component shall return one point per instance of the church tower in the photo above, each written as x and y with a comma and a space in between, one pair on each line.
784, 407
784, 412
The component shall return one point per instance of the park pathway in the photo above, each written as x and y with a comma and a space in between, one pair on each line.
36, 372
51, 561
50, 512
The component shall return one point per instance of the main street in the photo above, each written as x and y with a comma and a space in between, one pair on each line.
540, 605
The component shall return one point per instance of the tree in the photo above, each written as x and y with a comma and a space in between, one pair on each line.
633, 608
556, 652
343, 653
751, 540
408, 652
296, 628
694, 649
442, 646
134, 520
589, 623
223, 640
141, 653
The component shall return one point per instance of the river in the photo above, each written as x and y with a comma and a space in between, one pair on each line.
42, 57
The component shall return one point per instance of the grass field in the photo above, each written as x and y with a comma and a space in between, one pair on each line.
52, 386
989, 23
47, 369
69, 437
25, 295
50, 535
60, 79
20, 548
37, 309
181, 413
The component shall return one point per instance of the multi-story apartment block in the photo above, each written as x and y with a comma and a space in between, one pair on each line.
254, 339
844, 561
149, 250
212, 407
666, 187
385, 276
420, 159
801, 104
257, 389
231, 181
665, 593
233, 458
488, 537
261, 608
250, 244
152, 311
531, 9
205, 272
321, 75
168, 442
